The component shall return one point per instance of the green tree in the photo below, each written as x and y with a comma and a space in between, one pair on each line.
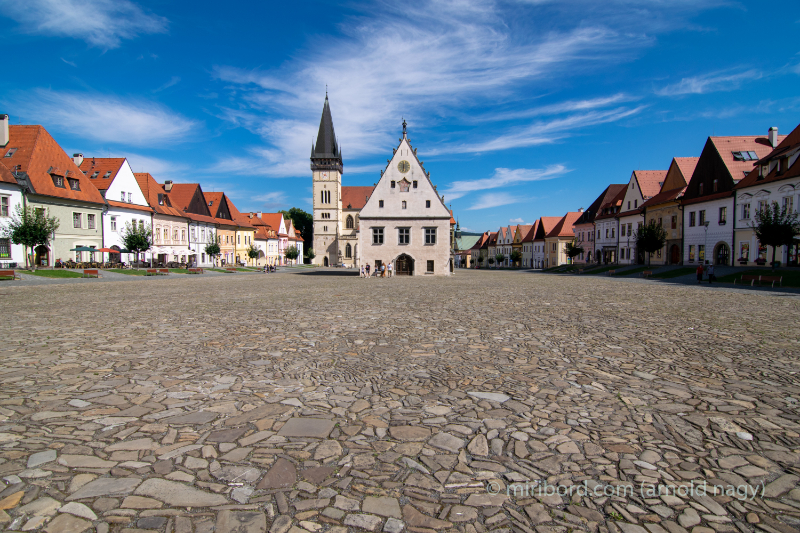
302, 221
490, 261
516, 256
137, 238
212, 249
775, 226
29, 227
650, 238
291, 253
310, 254
573, 250
499, 258
252, 252
480, 259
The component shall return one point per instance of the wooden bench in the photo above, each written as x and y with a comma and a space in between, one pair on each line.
751, 279
771, 279
9, 274
610, 272
230, 269
89, 273
647, 273
151, 272
163, 271
195, 271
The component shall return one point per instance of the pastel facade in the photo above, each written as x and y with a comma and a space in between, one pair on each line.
584, 230
10, 199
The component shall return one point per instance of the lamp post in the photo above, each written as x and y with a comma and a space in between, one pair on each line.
705, 244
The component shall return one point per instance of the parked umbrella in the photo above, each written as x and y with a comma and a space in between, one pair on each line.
84, 249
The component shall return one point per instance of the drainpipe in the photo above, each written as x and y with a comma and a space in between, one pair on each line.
733, 228
683, 226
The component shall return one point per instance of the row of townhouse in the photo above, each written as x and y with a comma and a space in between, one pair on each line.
540, 245
706, 204
95, 198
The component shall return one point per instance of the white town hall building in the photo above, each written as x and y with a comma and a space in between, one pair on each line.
402, 220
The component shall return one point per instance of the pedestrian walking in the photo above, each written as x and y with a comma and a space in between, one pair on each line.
383, 270
367, 269
700, 273
362, 271
390, 270
711, 276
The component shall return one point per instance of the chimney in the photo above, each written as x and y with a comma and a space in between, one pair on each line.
580, 210
773, 136
4, 136
259, 214
168, 185
78, 159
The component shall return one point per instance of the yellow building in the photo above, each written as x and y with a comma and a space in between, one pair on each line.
665, 209
555, 242
244, 238
219, 205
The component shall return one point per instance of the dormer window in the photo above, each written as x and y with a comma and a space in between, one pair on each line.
74, 184
58, 181
10, 152
161, 199
108, 175
95, 174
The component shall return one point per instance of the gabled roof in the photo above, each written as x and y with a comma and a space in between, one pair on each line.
528, 237
126, 205
326, 146
523, 230
686, 166
545, 226
649, 181
40, 157
104, 170
273, 220
355, 197
481, 241
151, 189
587, 217
789, 143
492, 240
564, 226
612, 205
662, 197
726, 146
240, 219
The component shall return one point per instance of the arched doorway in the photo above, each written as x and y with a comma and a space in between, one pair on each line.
324, 261
674, 254
42, 255
114, 258
722, 254
404, 265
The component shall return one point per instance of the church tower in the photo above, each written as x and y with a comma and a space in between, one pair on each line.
327, 168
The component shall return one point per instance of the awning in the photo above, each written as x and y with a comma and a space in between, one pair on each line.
84, 249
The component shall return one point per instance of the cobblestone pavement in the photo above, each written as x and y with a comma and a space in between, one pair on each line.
305, 403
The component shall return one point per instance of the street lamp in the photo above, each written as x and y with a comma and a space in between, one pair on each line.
705, 244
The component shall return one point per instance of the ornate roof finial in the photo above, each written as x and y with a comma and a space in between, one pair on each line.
326, 91
404, 127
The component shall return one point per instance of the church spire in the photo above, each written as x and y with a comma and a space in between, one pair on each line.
326, 154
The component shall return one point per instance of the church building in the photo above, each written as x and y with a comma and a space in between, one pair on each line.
402, 220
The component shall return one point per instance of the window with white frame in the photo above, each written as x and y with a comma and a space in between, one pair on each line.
130, 197
788, 203
76, 220
113, 223
90, 221
4, 203
746, 211
403, 235
122, 194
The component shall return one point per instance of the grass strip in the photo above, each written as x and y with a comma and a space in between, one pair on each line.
675, 273
53, 273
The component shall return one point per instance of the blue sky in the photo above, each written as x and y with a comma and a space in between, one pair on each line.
519, 109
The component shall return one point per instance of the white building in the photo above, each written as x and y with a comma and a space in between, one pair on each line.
126, 203
10, 198
776, 179
709, 198
643, 185
405, 222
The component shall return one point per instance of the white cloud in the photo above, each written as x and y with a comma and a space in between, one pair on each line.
516, 221
495, 199
101, 23
503, 177
270, 201
709, 83
418, 61
109, 119
160, 169
174, 80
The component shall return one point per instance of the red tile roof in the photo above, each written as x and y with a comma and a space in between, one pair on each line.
102, 166
616, 201
753, 143
564, 226
686, 166
481, 241
240, 219
790, 142
662, 197
273, 220
545, 226
40, 156
528, 237
707, 198
650, 181
355, 197
151, 189
587, 217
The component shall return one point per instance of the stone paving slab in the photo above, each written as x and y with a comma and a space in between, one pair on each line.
489, 401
